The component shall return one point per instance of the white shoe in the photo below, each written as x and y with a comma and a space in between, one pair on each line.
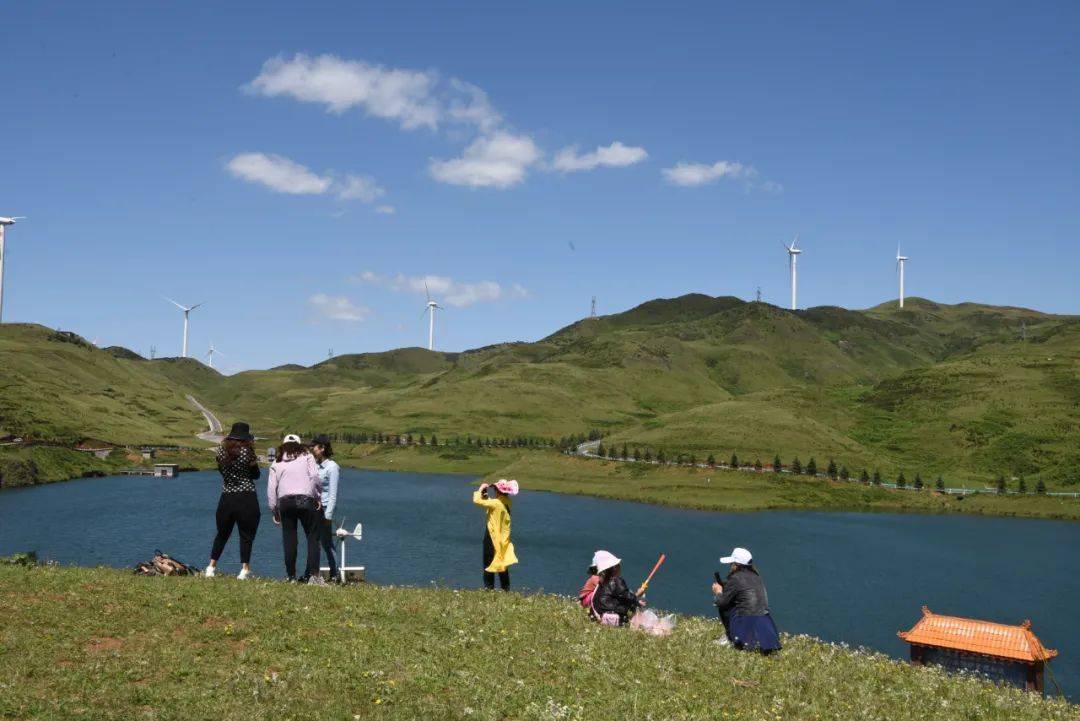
209, 572
317, 581
244, 573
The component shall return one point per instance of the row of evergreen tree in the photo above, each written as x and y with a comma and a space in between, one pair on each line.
408, 439
796, 468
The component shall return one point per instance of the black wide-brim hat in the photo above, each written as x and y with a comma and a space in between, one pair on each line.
320, 440
240, 432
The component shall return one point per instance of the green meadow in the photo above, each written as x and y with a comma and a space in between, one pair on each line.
81, 643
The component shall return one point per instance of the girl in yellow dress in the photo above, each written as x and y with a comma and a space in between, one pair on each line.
498, 550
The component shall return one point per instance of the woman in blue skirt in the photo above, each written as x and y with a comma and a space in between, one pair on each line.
744, 605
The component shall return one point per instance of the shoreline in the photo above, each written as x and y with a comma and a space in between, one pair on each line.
674, 486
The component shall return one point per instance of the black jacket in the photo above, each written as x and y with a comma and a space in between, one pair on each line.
613, 596
744, 595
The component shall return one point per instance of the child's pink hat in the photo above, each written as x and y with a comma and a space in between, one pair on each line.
510, 488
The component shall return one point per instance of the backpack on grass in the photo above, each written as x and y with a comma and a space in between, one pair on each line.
164, 565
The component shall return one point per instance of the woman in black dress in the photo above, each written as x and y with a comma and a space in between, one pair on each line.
238, 505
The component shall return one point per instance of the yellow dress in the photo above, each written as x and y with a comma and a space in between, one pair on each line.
498, 525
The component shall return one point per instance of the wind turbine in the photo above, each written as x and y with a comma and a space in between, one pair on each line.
431, 307
900, 260
4, 223
186, 309
793, 254
210, 353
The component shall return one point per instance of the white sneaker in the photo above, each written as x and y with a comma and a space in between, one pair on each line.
209, 572
317, 581
244, 573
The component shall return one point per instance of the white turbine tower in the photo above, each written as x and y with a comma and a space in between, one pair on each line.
793, 254
900, 260
210, 354
431, 308
186, 309
4, 223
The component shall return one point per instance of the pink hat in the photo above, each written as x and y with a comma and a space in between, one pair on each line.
510, 488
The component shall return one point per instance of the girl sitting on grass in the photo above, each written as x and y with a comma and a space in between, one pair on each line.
613, 602
585, 595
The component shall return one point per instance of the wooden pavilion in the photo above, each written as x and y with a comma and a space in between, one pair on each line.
1010, 654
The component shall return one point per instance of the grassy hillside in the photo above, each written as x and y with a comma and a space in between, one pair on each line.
933, 389
57, 386
98, 644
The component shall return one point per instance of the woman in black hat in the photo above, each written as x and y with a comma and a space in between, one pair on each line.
238, 504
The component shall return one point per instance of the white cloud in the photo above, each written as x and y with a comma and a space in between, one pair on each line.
339, 308
469, 104
278, 173
615, 155
287, 176
386, 210
444, 289
390, 93
413, 98
689, 175
499, 161
360, 187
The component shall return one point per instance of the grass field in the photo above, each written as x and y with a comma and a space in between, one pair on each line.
721, 490
100, 644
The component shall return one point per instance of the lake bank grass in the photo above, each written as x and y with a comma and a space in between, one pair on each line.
726, 490
697, 488
100, 644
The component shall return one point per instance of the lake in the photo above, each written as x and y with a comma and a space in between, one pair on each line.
851, 577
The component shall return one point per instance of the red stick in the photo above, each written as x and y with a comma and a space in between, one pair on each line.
645, 585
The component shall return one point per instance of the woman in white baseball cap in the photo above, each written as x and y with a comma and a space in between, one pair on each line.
294, 493
743, 605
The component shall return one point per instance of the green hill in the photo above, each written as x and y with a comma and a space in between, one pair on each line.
57, 386
968, 391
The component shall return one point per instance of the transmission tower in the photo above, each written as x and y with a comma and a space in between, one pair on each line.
153, 352
592, 311
330, 354
759, 294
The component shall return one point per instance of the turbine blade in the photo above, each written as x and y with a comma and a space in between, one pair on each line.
427, 292
197, 305
175, 303
795, 241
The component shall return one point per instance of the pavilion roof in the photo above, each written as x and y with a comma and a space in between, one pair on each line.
973, 636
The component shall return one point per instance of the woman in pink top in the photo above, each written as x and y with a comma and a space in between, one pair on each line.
295, 494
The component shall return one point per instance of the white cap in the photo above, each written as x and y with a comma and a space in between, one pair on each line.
740, 556
291, 438
604, 560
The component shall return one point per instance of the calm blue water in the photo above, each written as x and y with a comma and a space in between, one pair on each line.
847, 577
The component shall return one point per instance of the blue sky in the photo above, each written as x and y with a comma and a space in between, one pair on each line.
300, 168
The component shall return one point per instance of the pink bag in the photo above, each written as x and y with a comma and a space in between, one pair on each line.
609, 619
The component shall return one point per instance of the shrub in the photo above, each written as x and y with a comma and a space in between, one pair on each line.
811, 467
777, 466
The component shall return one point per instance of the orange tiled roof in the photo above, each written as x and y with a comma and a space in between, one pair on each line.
968, 634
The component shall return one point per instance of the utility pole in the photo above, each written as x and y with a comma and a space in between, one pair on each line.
592, 311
